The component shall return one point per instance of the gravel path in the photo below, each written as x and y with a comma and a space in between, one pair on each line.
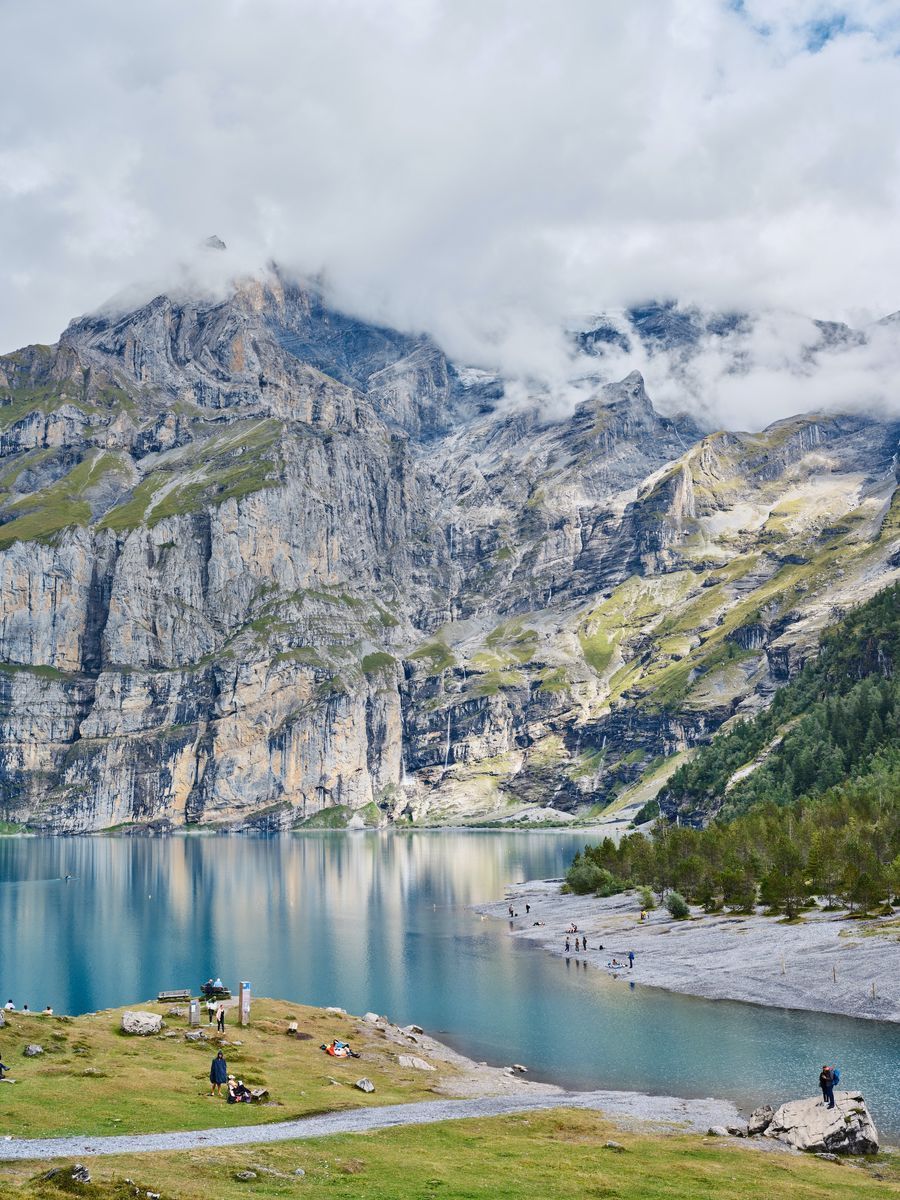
687, 1115
825, 963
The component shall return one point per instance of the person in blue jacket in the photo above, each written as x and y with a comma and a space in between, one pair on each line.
826, 1083
218, 1074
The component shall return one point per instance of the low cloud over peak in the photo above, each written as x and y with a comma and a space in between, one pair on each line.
476, 171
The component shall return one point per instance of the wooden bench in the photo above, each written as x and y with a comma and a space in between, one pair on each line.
175, 994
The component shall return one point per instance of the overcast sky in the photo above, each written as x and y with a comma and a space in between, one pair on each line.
477, 168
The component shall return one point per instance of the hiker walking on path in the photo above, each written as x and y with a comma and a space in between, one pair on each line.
568, 947
826, 1083
220, 1020
630, 960
218, 1074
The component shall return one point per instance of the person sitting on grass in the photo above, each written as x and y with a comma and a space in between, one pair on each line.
4, 1069
339, 1049
238, 1092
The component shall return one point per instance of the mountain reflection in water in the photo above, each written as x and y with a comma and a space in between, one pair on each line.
381, 921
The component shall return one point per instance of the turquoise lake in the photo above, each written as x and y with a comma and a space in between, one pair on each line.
382, 921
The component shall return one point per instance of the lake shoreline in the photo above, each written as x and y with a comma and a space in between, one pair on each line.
823, 963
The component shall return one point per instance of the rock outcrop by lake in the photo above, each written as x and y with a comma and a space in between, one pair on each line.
810, 1125
263, 564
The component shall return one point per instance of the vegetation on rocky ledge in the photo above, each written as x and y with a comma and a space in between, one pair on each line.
824, 727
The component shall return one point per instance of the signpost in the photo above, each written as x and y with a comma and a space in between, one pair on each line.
194, 1013
244, 1002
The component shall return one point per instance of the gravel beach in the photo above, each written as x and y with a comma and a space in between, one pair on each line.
825, 963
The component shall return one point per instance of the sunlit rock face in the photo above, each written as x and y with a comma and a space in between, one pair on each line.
263, 564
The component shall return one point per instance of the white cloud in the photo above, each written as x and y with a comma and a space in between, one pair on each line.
476, 169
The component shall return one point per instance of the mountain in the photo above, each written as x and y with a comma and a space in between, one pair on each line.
262, 564
830, 724
800, 801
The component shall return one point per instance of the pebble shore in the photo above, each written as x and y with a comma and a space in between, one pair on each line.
824, 963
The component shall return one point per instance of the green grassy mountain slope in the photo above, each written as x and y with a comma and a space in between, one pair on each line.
827, 725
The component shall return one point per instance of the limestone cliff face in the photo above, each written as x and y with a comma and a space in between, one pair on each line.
262, 564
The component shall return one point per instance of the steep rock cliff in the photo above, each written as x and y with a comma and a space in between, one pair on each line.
263, 564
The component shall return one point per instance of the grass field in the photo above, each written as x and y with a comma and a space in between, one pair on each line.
94, 1079
537, 1156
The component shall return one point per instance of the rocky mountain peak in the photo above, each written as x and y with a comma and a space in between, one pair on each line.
260, 559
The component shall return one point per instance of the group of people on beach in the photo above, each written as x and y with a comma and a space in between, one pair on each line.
26, 1011
581, 944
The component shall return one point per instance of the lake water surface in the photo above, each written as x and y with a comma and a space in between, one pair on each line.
382, 921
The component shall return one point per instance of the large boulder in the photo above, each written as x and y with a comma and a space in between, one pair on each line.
760, 1119
142, 1024
809, 1125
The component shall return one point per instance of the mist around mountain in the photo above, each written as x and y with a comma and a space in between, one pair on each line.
264, 564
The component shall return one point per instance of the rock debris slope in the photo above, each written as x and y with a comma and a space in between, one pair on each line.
263, 564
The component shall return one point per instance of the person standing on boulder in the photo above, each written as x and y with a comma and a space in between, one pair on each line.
826, 1083
218, 1074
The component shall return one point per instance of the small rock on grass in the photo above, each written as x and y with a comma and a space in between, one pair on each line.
33, 1050
299, 1171
410, 1060
246, 1176
717, 1131
737, 1130
617, 1146
335, 1011
365, 1085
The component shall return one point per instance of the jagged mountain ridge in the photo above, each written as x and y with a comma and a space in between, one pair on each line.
260, 561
